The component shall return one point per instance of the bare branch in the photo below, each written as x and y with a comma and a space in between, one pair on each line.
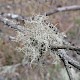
71, 61
68, 69
73, 48
11, 24
13, 16
62, 9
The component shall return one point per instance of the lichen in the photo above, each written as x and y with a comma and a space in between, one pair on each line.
39, 35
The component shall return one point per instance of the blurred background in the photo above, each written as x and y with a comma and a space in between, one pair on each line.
67, 22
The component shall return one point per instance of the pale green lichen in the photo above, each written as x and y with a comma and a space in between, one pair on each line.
39, 35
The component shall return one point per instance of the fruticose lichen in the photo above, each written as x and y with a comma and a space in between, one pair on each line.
38, 35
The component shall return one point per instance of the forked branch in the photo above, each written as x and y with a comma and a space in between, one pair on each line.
64, 56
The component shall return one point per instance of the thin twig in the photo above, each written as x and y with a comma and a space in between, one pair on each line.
73, 48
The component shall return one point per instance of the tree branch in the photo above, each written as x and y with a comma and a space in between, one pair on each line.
62, 54
62, 9
13, 16
68, 69
11, 24
73, 48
